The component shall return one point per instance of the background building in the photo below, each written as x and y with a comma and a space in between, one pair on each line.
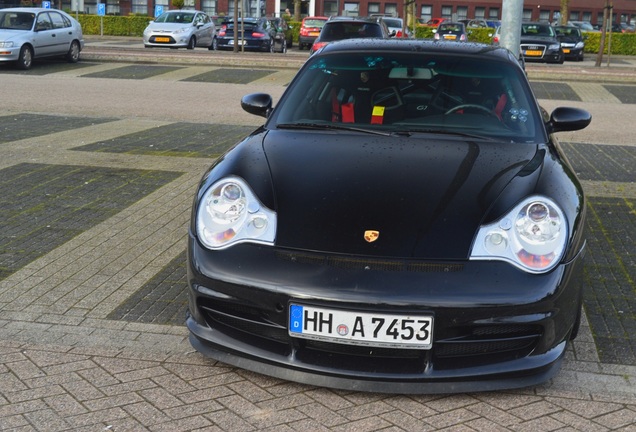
543, 10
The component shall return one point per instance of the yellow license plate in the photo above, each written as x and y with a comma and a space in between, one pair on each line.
162, 39
566, 51
534, 53
451, 37
314, 33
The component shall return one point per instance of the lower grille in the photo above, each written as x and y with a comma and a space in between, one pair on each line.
479, 344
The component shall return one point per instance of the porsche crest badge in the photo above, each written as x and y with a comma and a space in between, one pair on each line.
371, 235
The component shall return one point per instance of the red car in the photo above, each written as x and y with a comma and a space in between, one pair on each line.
309, 30
434, 22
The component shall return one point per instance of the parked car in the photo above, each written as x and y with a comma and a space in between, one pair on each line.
572, 42
30, 33
284, 31
583, 25
405, 221
254, 34
309, 30
180, 29
434, 22
396, 26
538, 43
451, 31
350, 28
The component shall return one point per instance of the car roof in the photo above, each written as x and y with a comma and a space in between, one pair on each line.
29, 9
418, 45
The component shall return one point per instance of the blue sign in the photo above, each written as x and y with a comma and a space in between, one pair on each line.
101, 9
158, 10
46, 4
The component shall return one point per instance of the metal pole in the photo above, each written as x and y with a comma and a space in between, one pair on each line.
511, 17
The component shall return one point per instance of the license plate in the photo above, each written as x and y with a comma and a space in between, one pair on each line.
566, 51
534, 53
314, 33
361, 328
238, 42
451, 37
162, 39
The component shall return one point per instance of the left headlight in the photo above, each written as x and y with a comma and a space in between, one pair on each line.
229, 213
7, 44
532, 236
181, 30
554, 46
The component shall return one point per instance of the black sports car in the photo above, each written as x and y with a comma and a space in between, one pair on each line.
405, 221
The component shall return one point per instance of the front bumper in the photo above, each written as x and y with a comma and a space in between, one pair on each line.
166, 40
495, 326
9, 54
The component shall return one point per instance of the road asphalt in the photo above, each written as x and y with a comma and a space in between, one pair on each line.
91, 333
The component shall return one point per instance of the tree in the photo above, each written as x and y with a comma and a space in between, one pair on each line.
178, 4
296, 10
565, 6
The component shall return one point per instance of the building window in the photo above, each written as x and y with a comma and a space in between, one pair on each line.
139, 7
574, 16
391, 9
587, 16
208, 6
426, 13
331, 8
374, 8
480, 13
493, 13
351, 9
462, 12
544, 15
447, 12
527, 15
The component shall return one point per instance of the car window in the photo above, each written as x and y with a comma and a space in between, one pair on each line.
16, 20
58, 21
405, 92
43, 22
349, 30
314, 23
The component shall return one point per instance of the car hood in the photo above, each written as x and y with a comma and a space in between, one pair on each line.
7, 35
168, 27
426, 196
538, 40
569, 39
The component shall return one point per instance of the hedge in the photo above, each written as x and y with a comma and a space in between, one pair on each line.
134, 25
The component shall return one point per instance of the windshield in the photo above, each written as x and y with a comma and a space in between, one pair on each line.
176, 17
411, 92
349, 30
16, 20
315, 23
544, 30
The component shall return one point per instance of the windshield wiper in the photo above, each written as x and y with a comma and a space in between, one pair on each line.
332, 126
447, 132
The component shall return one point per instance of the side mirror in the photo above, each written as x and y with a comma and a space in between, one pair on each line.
565, 119
259, 104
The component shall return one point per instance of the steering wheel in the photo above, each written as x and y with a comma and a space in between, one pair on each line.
480, 108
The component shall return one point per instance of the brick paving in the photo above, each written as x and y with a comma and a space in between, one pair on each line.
77, 354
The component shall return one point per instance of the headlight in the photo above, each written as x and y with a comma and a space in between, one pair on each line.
230, 213
579, 45
181, 30
7, 44
532, 236
554, 47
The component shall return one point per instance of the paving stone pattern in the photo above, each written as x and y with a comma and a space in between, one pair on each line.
554, 90
177, 139
231, 76
133, 72
22, 126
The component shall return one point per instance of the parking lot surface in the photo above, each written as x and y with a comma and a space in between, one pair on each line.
98, 165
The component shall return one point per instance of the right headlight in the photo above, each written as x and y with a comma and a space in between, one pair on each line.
229, 213
532, 236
